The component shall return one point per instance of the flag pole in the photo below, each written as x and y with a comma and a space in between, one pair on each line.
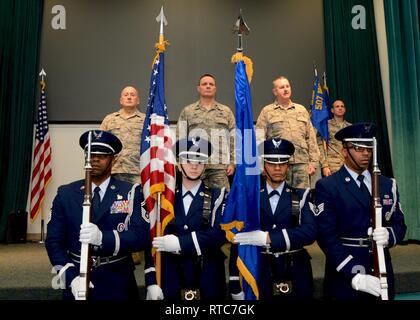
324, 78
158, 266
42, 74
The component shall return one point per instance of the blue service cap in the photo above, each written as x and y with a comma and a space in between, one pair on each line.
194, 149
359, 134
103, 142
276, 150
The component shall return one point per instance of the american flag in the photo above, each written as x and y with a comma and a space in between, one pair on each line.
41, 173
157, 162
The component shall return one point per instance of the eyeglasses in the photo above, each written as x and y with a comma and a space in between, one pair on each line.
361, 149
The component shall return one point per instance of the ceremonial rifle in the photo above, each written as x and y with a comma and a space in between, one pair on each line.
85, 252
379, 267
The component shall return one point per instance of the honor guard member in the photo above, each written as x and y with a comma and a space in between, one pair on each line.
192, 259
116, 229
287, 225
343, 215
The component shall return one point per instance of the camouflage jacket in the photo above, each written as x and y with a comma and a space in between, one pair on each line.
128, 130
216, 124
291, 123
332, 157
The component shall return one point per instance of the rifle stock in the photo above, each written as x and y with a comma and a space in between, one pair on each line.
379, 267
85, 253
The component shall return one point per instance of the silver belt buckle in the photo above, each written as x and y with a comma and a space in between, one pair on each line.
283, 287
96, 262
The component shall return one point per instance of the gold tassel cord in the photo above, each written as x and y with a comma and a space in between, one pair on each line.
239, 56
160, 47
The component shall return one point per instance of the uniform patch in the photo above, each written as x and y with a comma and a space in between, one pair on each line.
120, 206
387, 202
145, 214
121, 227
316, 209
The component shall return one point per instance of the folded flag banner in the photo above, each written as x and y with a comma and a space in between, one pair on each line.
319, 109
242, 205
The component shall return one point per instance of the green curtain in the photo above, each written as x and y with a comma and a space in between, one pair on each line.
403, 37
20, 22
353, 69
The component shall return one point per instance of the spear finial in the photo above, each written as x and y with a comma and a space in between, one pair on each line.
240, 28
162, 20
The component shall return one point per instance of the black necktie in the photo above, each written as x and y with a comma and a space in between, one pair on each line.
188, 193
96, 201
363, 187
273, 193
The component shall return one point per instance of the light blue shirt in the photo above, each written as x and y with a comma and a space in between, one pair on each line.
274, 200
367, 180
188, 199
103, 186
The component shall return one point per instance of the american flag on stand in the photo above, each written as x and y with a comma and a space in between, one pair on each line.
41, 173
157, 162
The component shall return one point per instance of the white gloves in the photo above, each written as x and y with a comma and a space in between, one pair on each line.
238, 296
75, 285
90, 233
380, 236
154, 292
256, 238
366, 283
169, 243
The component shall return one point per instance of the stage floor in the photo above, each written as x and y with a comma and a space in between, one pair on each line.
26, 273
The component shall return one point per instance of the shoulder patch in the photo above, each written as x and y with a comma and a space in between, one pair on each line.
316, 210
144, 213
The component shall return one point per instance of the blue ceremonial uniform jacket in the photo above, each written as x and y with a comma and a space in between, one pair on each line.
200, 264
343, 211
120, 237
287, 233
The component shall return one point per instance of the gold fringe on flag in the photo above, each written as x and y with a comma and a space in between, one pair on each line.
238, 56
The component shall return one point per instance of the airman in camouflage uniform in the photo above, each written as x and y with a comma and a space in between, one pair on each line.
215, 122
288, 120
331, 158
127, 125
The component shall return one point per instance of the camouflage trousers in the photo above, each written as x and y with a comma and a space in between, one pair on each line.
128, 177
297, 175
316, 176
216, 178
